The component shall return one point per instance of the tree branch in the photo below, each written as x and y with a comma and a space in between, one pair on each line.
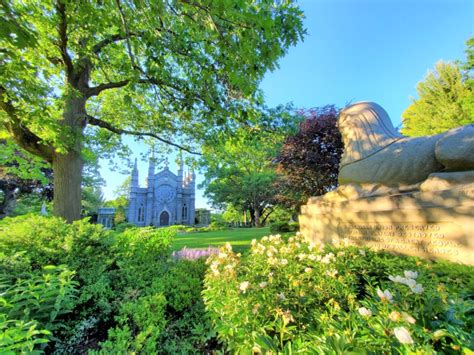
127, 32
114, 38
264, 219
106, 125
21, 134
63, 39
96, 90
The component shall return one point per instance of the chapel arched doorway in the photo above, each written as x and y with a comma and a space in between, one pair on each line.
164, 219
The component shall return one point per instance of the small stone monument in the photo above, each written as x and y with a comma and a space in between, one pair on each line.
105, 216
44, 211
203, 217
412, 196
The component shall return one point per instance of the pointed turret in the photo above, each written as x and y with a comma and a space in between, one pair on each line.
150, 183
134, 182
133, 194
180, 168
151, 172
192, 200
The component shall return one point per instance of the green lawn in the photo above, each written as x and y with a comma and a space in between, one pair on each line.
239, 238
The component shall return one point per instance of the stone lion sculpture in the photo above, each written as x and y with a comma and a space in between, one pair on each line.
375, 153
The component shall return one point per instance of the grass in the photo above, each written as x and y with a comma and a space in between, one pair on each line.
239, 238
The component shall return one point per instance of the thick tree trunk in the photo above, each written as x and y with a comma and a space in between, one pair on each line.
67, 167
67, 173
256, 217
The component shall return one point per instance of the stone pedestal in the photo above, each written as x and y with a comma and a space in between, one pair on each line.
429, 224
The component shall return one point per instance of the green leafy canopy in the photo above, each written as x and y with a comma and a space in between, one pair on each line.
175, 71
177, 66
445, 98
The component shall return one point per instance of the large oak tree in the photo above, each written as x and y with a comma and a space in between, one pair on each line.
172, 70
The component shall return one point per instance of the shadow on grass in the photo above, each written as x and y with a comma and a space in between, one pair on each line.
240, 239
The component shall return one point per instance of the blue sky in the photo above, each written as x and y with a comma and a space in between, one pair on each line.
356, 50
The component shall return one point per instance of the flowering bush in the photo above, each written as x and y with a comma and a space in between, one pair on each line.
296, 296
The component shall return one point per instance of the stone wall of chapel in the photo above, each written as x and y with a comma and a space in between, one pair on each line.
165, 200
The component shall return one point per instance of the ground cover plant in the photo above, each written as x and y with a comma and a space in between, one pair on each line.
291, 296
69, 288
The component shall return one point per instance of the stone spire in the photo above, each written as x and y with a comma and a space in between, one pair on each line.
180, 168
151, 172
133, 195
134, 182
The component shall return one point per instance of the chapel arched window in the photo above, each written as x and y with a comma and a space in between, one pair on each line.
185, 212
141, 213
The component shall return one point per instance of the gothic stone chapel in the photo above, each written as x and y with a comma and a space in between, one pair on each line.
168, 198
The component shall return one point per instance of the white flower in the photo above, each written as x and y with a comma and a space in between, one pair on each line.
264, 239
281, 296
256, 349
365, 312
287, 317
222, 255
311, 246
403, 335
327, 258
263, 284
408, 318
272, 261
285, 250
275, 238
417, 288
308, 270
312, 257
298, 234
283, 262
402, 280
362, 252
385, 295
254, 242
410, 283
394, 316
228, 247
301, 256
244, 286
411, 274
214, 268
397, 279
260, 248
331, 273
